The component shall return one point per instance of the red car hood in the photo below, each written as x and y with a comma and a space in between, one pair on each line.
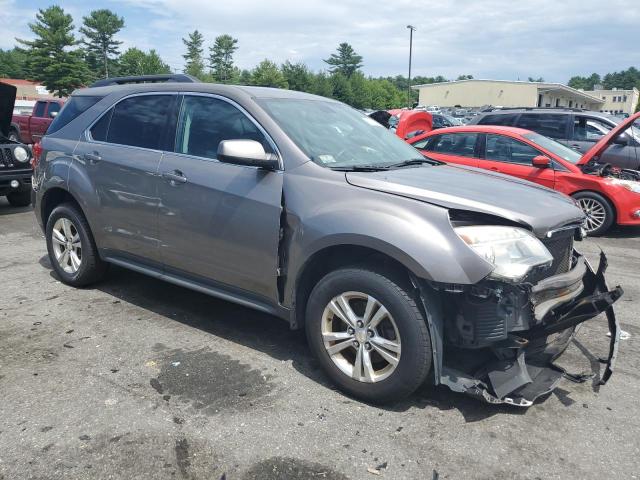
604, 142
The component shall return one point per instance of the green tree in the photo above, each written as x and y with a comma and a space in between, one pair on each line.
341, 88
346, 61
322, 85
539, 79
99, 30
298, 76
244, 77
360, 91
194, 65
466, 77
267, 74
13, 63
137, 62
585, 83
221, 58
51, 58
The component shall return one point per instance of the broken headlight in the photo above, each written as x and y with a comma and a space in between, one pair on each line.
513, 252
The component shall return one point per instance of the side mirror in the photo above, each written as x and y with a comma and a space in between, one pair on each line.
53, 114
622, 139
246, 152
541, 161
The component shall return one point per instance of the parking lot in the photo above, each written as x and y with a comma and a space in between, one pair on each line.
137, 378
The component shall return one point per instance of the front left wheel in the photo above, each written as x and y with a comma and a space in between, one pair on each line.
368, 334
72, 250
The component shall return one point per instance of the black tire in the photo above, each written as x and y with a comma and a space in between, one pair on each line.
416, 354
603, 203
19, 199
91, 268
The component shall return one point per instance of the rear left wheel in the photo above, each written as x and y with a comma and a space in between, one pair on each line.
71, 247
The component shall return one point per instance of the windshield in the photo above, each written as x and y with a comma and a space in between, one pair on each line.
633, 129
554, 147
334, 135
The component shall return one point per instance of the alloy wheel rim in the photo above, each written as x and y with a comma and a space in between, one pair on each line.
66, 245
361, 337
595, 213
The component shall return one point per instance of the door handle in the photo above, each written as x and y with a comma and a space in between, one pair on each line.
92, 158
495, 169
174, 177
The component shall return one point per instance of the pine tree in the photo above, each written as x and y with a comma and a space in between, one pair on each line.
346, 61
298, 76
194, 65
221, 58
267, 74
51, 58
137, 62
13, 63
99, 29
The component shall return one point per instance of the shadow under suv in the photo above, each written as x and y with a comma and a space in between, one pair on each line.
399, 268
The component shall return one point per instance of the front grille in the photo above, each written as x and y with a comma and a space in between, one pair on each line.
6, 157
561, 248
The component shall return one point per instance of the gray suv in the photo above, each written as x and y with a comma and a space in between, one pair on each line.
401, 269
578, 129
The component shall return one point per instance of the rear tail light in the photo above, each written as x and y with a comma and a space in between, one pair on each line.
36, 151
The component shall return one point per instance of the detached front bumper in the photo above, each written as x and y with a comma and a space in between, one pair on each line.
514, 372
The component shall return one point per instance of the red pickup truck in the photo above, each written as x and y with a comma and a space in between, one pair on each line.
29, 128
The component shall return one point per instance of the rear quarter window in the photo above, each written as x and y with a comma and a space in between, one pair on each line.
505, 120
548, 124
71, 110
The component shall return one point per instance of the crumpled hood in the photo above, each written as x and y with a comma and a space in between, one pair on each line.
466, 188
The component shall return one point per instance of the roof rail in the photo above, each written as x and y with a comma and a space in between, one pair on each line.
173, 77
566, 109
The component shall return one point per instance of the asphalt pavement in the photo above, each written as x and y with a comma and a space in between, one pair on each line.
135, 378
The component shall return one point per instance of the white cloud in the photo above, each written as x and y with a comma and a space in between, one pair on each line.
489, 39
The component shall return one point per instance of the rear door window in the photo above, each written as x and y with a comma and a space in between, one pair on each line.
460, 144
207, 121
548, 124
140, 121
499, 148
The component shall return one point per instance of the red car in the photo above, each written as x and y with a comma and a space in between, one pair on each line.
607, 194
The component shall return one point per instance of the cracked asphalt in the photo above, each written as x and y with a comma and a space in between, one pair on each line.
138, 379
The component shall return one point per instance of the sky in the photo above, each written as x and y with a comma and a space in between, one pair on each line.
506, 40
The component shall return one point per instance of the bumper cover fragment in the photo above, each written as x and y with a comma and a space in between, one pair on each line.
567, 300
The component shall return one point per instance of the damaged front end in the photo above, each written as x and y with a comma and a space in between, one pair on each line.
497, 340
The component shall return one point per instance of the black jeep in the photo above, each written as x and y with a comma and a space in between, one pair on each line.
15, 168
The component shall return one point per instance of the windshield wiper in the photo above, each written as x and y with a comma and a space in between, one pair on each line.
414, 161
361, 168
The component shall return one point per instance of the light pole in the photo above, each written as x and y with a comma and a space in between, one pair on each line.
411, 29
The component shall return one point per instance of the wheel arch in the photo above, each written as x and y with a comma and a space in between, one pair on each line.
603, 195
52, 198
333, 257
